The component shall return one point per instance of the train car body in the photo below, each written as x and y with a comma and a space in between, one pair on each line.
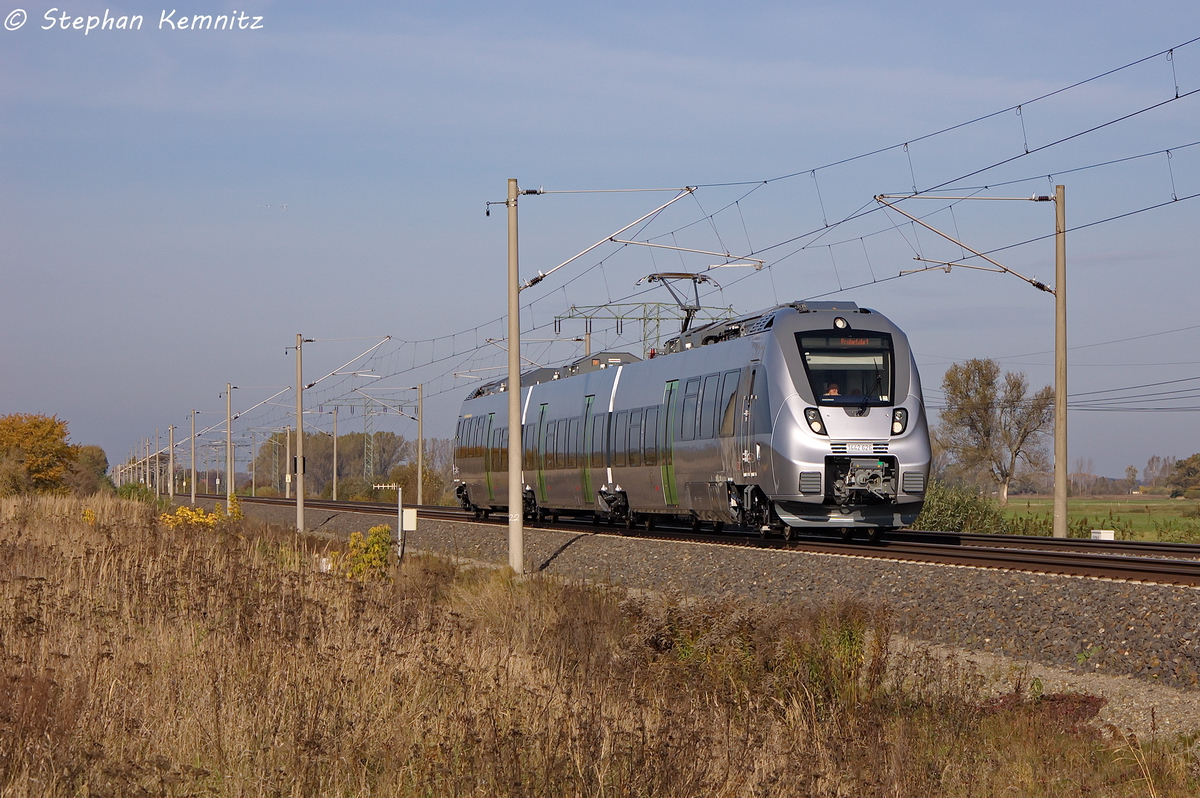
807, 415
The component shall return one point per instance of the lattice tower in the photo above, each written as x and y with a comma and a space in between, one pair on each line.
650, 314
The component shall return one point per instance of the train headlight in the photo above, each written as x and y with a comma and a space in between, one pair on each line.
813, 416
899, 421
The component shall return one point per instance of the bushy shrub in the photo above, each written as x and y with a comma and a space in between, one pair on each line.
137, 492
366, 558
953, 508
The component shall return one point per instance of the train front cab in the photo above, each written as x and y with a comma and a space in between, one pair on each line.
851, 441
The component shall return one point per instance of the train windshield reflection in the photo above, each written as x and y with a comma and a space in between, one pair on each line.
847, 369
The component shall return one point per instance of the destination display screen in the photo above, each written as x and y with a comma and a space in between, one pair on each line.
844, 341
847, 369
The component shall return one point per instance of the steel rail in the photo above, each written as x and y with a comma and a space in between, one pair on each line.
1177, 563
1139, 548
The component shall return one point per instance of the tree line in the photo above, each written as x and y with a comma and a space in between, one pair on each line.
994, 432
36, 456
393, 460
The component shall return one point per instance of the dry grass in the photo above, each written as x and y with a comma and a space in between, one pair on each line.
140, 660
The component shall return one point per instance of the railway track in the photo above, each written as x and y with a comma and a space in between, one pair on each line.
1138, 561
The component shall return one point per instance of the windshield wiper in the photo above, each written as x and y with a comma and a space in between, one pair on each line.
867, 396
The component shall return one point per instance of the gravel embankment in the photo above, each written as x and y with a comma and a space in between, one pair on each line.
1075, 625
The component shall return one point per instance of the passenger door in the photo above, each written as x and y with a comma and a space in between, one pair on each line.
585, 461
748, 452
488, 454
666, 448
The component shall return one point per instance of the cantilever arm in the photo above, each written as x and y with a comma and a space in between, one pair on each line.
1000, 266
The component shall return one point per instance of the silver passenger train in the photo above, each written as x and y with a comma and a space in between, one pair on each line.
804, 416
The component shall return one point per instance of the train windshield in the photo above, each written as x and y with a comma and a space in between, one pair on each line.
847, 368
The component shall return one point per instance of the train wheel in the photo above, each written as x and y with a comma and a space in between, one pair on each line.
554, 517
629, 524
695, 524
478, 514
847, 534
718, 527
648, 523
788, 533
877, 534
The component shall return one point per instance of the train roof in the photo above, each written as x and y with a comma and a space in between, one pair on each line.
751, 323
588, 363
712, 333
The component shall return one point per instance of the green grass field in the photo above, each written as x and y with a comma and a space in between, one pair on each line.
1136, 517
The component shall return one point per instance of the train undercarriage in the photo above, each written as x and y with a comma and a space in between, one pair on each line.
861, 497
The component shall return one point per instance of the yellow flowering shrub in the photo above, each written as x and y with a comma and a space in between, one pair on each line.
192, 517
89, 516
365, 558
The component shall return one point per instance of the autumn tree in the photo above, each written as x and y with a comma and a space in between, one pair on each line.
1185, 476
34, 453
88, 475
990, 424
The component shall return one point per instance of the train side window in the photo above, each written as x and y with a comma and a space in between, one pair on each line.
503, 449
573, 443
727, 406
596, 441
458, 439
564, 444
529, 444
687, 418
635, 438
548, 447
651, 430
620, 435
708, 406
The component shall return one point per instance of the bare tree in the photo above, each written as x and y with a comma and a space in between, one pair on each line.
1131, 478
1157, 470
990, 424
1083, 478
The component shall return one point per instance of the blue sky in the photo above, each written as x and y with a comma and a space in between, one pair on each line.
149, 259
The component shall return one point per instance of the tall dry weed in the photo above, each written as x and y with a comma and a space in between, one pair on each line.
137, 659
